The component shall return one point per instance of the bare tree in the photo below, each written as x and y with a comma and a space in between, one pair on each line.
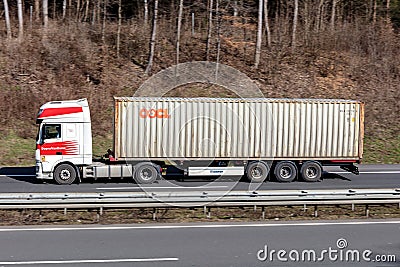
259, 33
266, 23
64, 9
86, 15
45, 7
78, 7
210, 7
218, 16
235, 8
319, 15
388, 10
103, 27
119, 26
37, 10
7, 17
374, 12
295, 16
153, 38
20, 21
333, 14
178, 37
146, 12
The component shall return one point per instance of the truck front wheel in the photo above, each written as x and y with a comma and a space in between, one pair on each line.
64, 174
146, 174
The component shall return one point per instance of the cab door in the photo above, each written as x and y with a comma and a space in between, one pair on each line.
51, 146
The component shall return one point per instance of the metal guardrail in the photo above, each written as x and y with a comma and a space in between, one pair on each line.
198, 199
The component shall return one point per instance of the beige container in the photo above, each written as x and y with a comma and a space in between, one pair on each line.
228, 128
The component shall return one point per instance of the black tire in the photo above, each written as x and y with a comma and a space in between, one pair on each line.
64, 174
311, 171
146, 173
285, 171
257, 172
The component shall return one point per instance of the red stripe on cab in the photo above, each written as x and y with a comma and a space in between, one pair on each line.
49, 112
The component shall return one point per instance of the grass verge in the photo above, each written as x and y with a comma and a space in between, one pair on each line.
174, 215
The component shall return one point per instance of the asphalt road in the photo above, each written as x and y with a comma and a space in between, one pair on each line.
336, 243
21, 179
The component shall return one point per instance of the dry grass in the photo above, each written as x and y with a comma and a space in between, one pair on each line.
174, 215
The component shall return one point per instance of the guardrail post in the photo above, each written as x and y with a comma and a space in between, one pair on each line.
366, 211
316, 211
263, 212
154, 214
209, 213
255, 208
353, 207
65, 211
205, 210
40, 216
305, 207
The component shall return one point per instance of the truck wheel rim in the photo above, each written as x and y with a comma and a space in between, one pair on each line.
256, 172
285, 172
65, 174
311, 172
146, 174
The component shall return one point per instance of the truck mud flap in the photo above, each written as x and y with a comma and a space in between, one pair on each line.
351, 168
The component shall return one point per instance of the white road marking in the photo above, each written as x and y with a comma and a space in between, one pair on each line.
160, 227
86, 261
161, 187
20, 175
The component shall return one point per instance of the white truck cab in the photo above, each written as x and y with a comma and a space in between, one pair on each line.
64, 140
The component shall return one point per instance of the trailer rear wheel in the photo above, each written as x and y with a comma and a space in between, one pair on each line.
146, 174
285, 171
311, 171
257, 172
64, 174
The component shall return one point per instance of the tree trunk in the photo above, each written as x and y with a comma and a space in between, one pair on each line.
259, 34
319, 15
7, 17
20, 21
45, 14
64, 12
87, 5
333, 14
37, 10
146, 12
388, 11
295, 16
209, 29
374, 12
178, 37
103, 27
119, 26
218, 16
266, 22
153, 38
54, 9
78, 7
235, 8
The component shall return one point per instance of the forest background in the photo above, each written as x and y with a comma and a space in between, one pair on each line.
97, 49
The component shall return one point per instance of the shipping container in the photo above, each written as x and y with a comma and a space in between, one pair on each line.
229, 128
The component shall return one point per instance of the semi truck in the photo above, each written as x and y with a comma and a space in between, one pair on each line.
256, 138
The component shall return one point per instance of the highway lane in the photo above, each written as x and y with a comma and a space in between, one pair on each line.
331, 243
14, 179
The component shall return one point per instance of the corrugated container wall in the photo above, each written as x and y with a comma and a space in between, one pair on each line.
228, 128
